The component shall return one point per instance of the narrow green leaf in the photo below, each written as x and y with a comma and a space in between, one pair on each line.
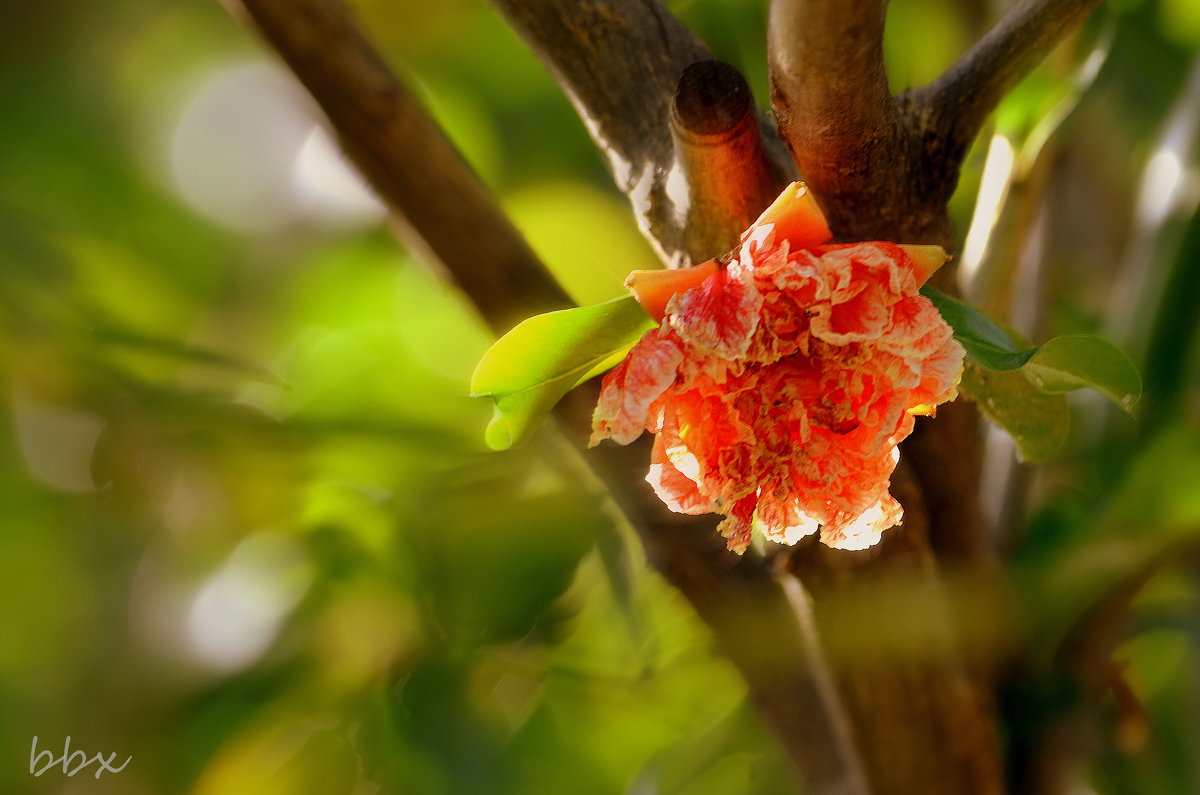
985, 341
1037, 422
1081, 360
530, 368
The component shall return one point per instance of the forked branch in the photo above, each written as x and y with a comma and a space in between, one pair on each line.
956, 105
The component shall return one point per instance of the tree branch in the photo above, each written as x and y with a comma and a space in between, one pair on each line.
954, 107
830, 94
835, 111
403, 153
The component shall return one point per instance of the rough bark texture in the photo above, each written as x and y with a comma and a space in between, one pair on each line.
862, 678
830, 96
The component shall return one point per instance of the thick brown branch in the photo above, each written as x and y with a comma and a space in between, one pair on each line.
955, 106
830, 94
403, 153
719, 151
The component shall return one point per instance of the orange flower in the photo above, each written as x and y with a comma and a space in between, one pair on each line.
782, 378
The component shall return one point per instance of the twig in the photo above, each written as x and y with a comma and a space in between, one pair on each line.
956, 105
849, 760
750, 613
1045, 752
409, 161
883, 619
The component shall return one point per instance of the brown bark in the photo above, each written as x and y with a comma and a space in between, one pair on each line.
831, 101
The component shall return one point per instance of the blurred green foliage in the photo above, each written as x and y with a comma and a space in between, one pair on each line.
249, 532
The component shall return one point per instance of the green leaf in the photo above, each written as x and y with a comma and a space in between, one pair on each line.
1060, 365
1081, 360
1037, 422
531, 367
985, 341
994, 378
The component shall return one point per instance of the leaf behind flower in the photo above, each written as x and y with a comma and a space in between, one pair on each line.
1019, 386
1037, 422
1061, 364
986, 342
1082, 360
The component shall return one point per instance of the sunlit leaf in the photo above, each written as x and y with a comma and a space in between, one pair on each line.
531, 367
1081, 360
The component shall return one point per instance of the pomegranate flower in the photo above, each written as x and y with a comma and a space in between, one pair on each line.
782, 378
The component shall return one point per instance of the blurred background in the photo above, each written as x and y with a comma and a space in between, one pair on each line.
249, 532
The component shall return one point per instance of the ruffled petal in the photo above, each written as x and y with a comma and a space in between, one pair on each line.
781, 518
675, 477
738, 526
719, 316
633, 385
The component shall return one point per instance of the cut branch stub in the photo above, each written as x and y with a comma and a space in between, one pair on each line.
719, 150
